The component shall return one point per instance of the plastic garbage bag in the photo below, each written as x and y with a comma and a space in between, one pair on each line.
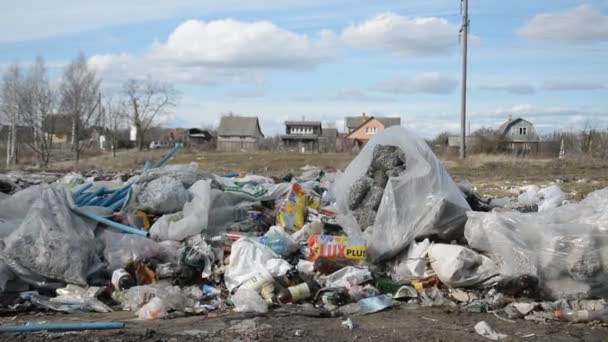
248, 258
120, 249
279, 241
154, 309
347, 277
484, 329
76, 295
375, 304
164, 195
15, 208
191, 221
552, 196
565, 245
413, 263
421, 200
52, 242
458, 266
171, 296
530, 195
248, 300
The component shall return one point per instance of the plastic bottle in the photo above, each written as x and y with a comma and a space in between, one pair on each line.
297, 293
122, 280
582, 315
262, 283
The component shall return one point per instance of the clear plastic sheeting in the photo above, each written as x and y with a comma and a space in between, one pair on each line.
15, 208
565, 247
164, 195
249, 258
422, 200
192, 220
163, 191
52, 242
121, 248
171, 296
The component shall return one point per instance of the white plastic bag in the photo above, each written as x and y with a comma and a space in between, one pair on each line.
248, 258
552, 196
413, 264
458, 266
191, 221
154, 309
422, 201
347, 277
248, 300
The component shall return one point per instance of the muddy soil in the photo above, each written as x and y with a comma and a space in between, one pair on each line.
397, 324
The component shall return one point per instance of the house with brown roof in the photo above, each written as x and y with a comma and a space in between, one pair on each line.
239, 133
367, 128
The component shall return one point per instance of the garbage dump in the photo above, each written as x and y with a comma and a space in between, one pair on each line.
392, 229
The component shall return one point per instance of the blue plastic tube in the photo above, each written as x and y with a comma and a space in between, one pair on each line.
83, 189
118, 204
111, 223
61, 327
168, 156
147, 165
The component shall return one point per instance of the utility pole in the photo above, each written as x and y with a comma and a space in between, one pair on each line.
464, 30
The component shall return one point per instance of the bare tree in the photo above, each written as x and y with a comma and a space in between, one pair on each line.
114, 117
147, 99
37, 100
80, 98
11, 109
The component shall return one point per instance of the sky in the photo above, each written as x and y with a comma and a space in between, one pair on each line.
545, 61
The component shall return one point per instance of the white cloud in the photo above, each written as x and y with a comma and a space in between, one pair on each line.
34, 19
115, 69
429, 83
515, 88
579, 24
230, 43
409, 36
571, 85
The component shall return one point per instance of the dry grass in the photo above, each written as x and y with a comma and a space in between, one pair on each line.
493, 175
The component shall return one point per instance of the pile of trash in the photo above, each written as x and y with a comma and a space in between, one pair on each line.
393, 228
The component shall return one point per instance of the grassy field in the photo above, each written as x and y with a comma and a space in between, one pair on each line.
492, 175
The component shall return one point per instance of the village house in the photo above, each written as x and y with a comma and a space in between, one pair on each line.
239, 133
362, 128
301, 136
521, 136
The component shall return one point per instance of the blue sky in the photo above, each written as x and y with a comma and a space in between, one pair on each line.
546, 61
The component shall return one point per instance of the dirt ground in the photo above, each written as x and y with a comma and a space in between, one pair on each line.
400, 323
493, 176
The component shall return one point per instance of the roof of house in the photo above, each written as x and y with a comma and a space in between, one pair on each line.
387, 123
247, 126
504, 128
302, 123
356, 121
199, 133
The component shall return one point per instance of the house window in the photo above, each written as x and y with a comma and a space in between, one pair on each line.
371, 130
522, 131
